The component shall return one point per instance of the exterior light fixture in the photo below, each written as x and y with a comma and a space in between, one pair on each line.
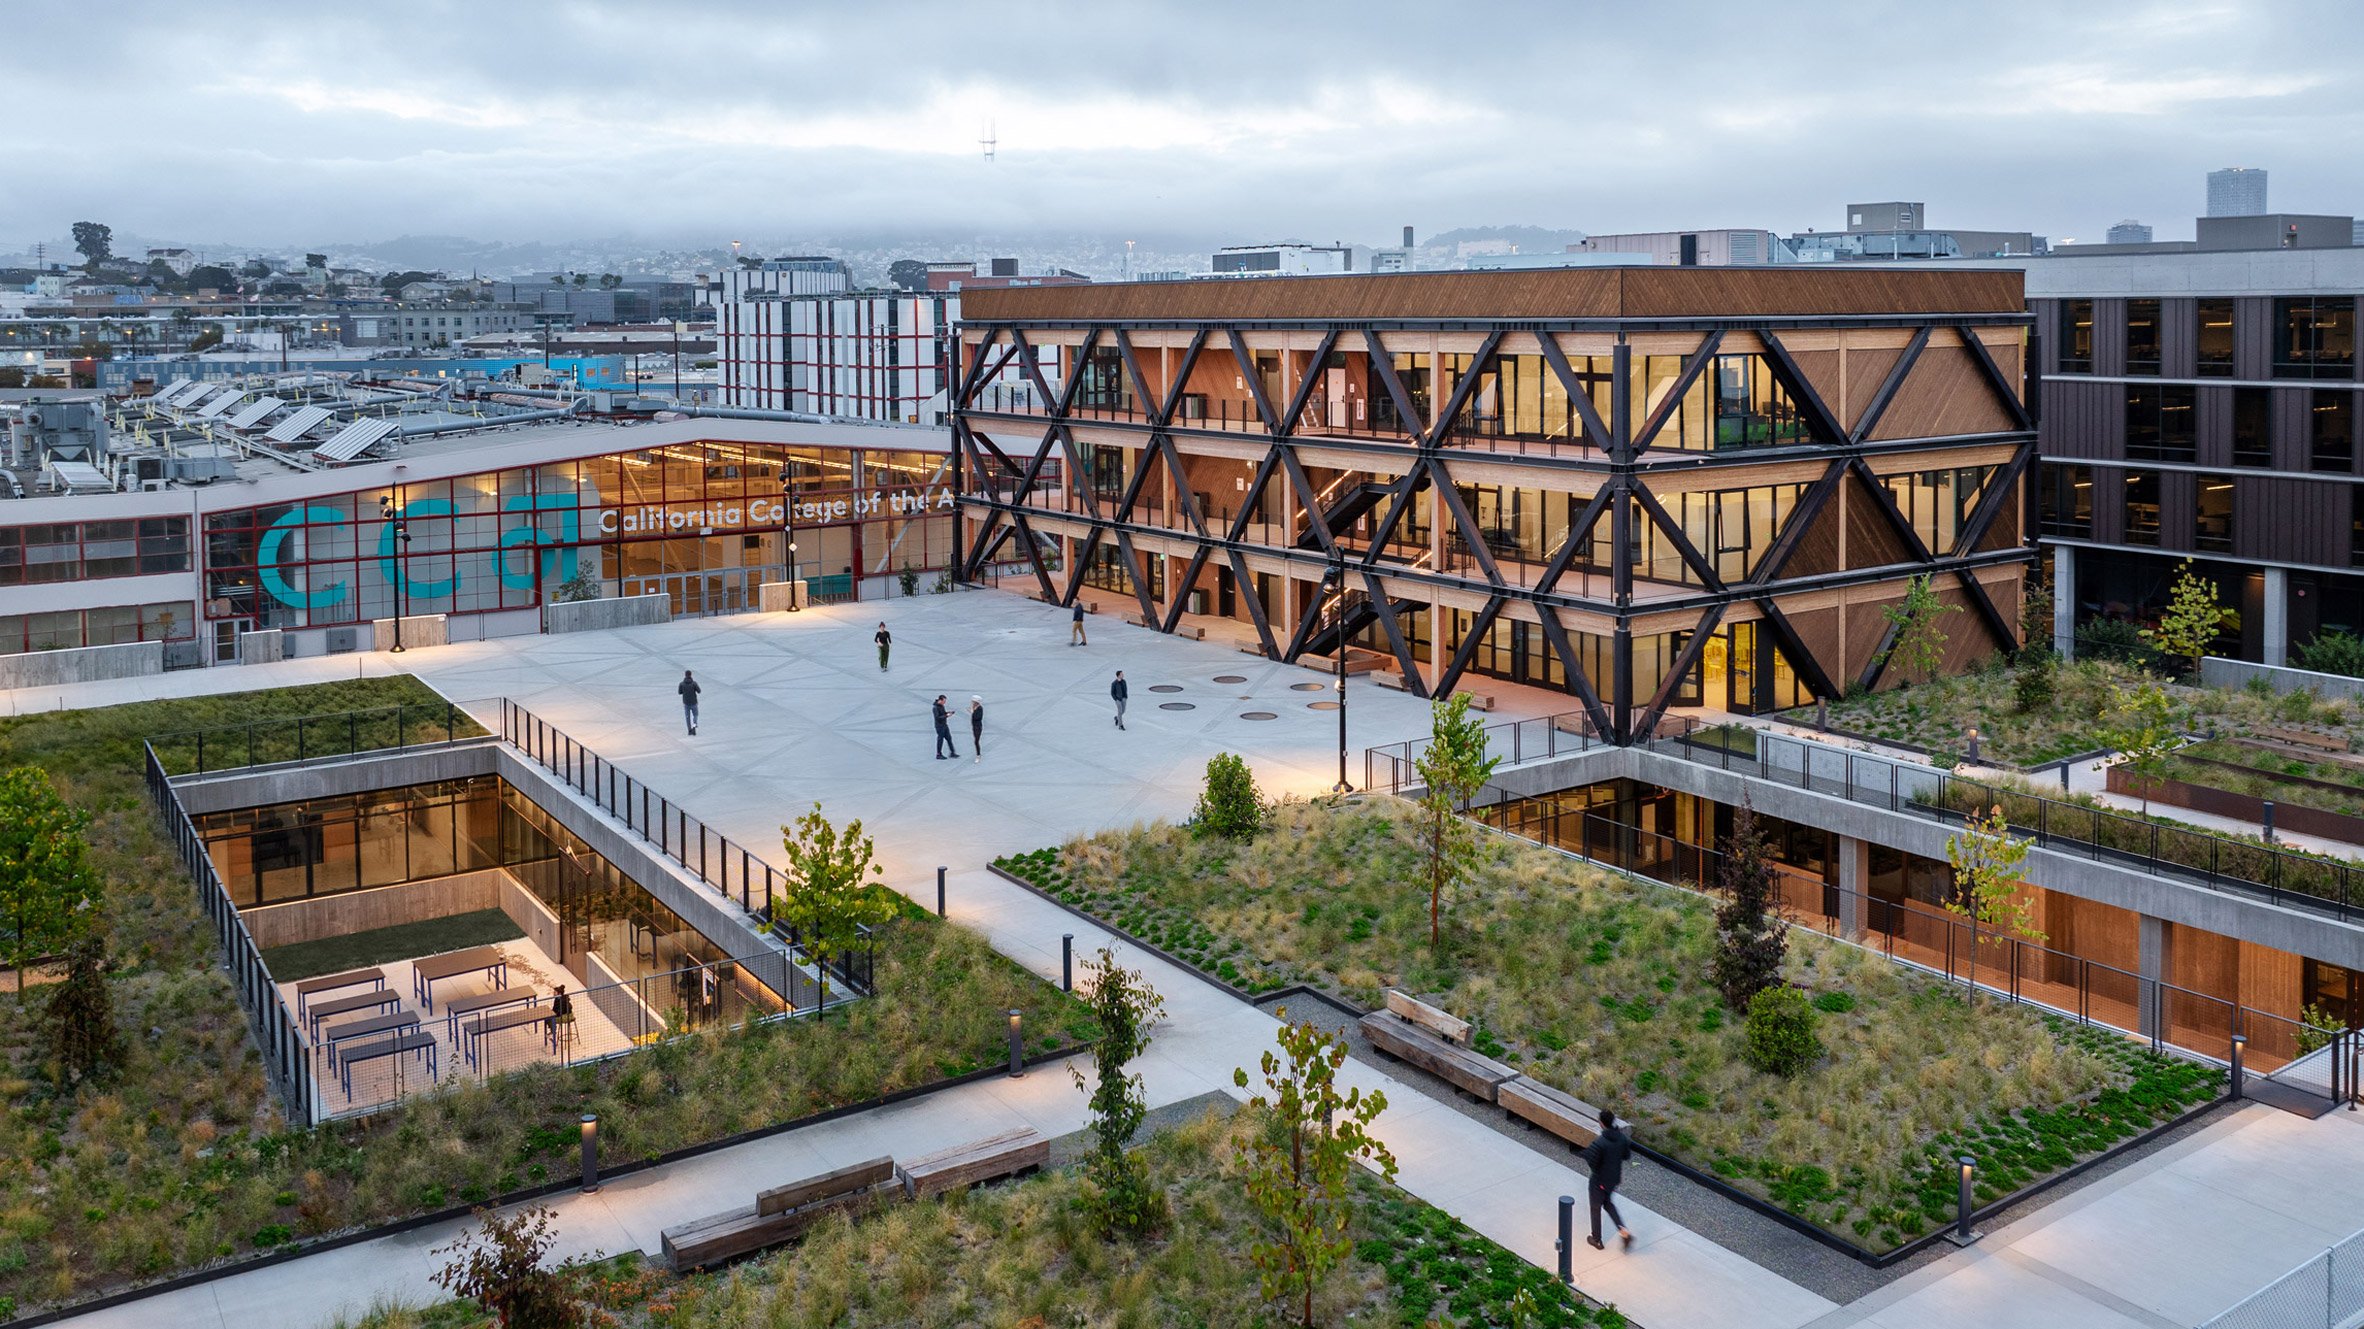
1962, 1235
590, 1153
1017, 1042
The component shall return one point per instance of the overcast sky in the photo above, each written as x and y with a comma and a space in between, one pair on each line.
302, 124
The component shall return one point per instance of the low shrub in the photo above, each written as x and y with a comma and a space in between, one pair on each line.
1780, 1038
1231, 806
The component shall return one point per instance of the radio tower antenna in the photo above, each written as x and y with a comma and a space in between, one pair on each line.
988, 141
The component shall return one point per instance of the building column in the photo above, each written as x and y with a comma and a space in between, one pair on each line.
2064, 601
2277, 616
1854, 884
2155, 951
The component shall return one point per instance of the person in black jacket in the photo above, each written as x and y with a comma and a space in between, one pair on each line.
1605, 1157
977, 725
885, 640
689, 701
1075, 635
1117, 692
943, 715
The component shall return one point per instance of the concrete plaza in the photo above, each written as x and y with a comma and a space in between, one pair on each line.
796, 710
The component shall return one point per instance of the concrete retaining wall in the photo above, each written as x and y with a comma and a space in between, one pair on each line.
417, 630
2218, 672
381, 907
264, 647
81, 664
528, 912
773, 596
618, 611
341, 775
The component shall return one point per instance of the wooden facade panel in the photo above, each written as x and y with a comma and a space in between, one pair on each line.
1819, 630
2287, 519
1867, 369
2272, 980
1817, 551
2212, 412
2289, 423
1866, 625
2109, 337
1822, 370
1945, 393
1967, 643
2253, 337
2004, 534
2179, 346
2178, 495
2082, 420
1872, 541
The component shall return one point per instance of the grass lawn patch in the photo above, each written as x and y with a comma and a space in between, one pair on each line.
1598, 984
1022, 1257
182, 1157
403, 941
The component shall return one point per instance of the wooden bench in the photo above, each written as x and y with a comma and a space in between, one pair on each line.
1456, 1065
312, 987
359, 1001
1444, 1024
2300, 738
1564, 1115
989, 1159
1180, 629
780, 1214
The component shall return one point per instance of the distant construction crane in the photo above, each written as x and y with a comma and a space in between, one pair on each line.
988, 141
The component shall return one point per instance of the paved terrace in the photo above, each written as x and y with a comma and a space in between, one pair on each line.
796, 709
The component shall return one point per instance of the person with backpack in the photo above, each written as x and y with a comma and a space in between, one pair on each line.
1605, 1157
689, 701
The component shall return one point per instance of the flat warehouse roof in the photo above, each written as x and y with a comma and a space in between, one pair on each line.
1547, 293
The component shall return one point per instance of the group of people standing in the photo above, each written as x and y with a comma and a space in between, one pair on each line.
943, 715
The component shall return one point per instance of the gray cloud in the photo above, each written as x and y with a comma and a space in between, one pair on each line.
296, 125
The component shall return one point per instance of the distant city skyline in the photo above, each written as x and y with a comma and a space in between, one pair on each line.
270, 125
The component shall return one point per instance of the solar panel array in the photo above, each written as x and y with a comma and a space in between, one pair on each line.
168, 389
356, 438
298, 421
252, 413
190, 394
225, 401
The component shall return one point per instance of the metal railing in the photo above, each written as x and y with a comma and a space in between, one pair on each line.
2327, 1292
707, 854
1936, 941
275, 1032
305, 738
1393, 766
2281, 876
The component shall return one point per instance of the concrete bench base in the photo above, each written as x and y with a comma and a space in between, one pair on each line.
1458, 1066
989, 1159
1564, 1115
779, 1215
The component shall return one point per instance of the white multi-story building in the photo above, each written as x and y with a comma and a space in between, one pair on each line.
875, 356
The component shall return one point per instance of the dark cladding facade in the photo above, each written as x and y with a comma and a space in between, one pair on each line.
1648, 488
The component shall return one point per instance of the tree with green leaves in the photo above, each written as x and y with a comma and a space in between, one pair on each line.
499, 1267
1988, 860
2035, 614
1751, 939
47, 886
2142, 729
1230, 805
80, 1017
95, 242
2192, 620
1117, 1192
1300, 1165
1452, 769
831, 893
1916, 647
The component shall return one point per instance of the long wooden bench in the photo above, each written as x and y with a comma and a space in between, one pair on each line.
1192, 631
1406, 1041
780, 1214
2300, 738
989, 1159
1436, 1020
1388, 678
1564, 1115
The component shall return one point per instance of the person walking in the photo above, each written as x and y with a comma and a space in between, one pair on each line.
977, 726
1075, 634
1117, 692
884, 639
689, 701
1605, 1157
943, 715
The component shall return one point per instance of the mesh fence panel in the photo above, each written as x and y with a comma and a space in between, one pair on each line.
2296, 1300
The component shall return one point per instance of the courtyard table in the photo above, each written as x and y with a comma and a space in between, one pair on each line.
401, 1045
312, 987
476, 1031
426, 973
376, 1024
486, 1001
359, 1001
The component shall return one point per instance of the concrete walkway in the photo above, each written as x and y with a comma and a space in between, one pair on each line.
796, 710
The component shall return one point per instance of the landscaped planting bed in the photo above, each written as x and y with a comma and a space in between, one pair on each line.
2285, 777
182, 1156
1023, 1257
1598, 984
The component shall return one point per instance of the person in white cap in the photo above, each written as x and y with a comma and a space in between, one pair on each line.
977, 725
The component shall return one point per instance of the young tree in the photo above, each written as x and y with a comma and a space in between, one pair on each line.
47, 887
1118, 1193
499, 1267
1987, 860
830, 896
1918, 621
80, 1017
1452, 769
2035, 614
2142, 729
2192, 620
1298, 1170
1751, 939
1230, 806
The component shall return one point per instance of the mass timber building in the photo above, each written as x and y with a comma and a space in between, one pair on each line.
1647, 488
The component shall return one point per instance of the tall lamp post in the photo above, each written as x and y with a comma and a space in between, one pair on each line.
788, 523
1336, 580
389, 512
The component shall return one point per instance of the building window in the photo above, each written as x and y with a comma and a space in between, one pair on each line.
2315, 337
2142, 336
2066, 502
2212, 522
2142, 507
2076, 336
2356, 525
2213, 339
2331, 430
2252, 437
1937, 504
2160, 423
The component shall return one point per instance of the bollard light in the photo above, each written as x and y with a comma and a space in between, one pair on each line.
1974, 743
1962, 1235
2268, 821
1567, 1239
1017, 1043
1067, 962
939, 892
2240, 1045
590, 1152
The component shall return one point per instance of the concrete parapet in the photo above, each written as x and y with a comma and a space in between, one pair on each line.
81, 664
617, 611
2218, 672
266, 646
773, 597
417, 630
